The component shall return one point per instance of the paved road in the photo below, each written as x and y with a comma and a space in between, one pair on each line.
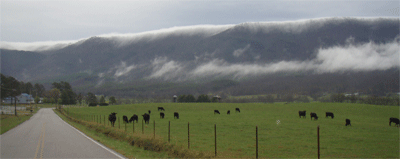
46, 135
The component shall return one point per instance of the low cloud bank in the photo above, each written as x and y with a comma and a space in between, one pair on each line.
295, 27
240, 52
123, 69
36, 46
162, 68
364, 57
199, 30
361, 57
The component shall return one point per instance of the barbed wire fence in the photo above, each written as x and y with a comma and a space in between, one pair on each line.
260, 132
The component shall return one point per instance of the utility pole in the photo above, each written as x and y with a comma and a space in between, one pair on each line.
15, 101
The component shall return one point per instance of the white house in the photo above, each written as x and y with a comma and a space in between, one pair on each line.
24, 98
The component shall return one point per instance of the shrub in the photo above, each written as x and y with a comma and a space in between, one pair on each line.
103, 104
92, 104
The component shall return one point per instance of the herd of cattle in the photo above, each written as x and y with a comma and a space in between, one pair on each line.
330, 114
146, 117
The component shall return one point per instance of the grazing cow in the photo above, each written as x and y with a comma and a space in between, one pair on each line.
161, 108
314, 115
394, 120
348, 122
302, 113
229, 112
162, 115
329, 114
176, 115
112, 118
125, 119
216, 111
149, 112
133, 118
146, 118
237, 110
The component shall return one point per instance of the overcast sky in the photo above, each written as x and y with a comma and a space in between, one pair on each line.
32, 21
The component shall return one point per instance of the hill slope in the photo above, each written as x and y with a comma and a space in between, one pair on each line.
202, 54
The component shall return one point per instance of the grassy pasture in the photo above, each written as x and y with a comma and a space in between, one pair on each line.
370, 135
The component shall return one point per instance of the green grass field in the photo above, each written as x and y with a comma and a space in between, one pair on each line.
370, 135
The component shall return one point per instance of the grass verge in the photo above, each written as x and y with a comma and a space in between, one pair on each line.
7, 122
131, 145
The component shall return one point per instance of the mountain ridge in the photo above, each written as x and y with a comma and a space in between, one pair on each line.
234, 52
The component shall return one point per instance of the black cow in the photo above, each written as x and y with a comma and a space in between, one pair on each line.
125, 119
162, 115
176, 115
314, 115
146, 118
112, 118
237, 110
149, 112
302, 113
229, 112
133, 118
394, 120
348, 122
329, 114
216, 111
161, 108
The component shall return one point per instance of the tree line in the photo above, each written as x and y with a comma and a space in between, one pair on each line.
203, 98
11, 87
60, 93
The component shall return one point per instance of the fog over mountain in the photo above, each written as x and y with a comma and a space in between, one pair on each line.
205, 53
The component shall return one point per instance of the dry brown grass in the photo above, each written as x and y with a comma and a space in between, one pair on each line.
146, 141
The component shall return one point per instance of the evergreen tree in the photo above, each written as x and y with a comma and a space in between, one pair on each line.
112, 100
91, 98
203, 98
54, 94
79, 98
67, 95
102, 99
190, 98
181, 98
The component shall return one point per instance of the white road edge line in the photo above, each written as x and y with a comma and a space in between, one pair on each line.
92, 139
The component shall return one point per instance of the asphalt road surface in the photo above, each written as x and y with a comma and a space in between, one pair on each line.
45, 135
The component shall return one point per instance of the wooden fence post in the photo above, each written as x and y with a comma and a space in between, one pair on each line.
215, 135
318, 141
169, 130
188, 137
119, 125
256, 142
